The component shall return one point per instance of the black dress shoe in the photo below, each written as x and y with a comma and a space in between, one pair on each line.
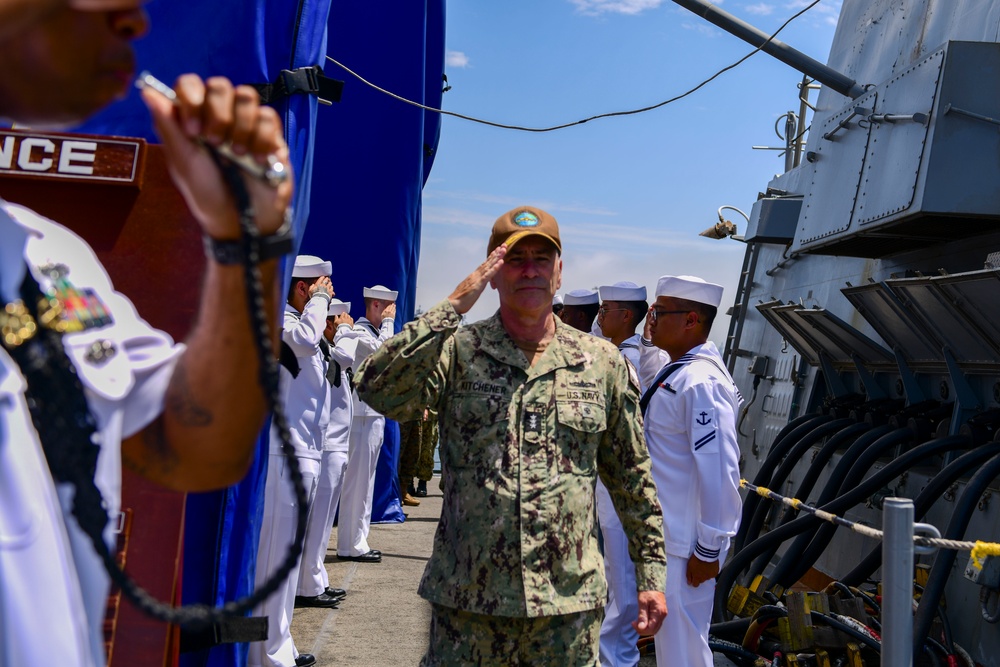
370, 557
421, 489
305, 660
321, 600
338, 593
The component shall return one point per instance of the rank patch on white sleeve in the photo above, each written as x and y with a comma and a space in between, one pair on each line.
703, 427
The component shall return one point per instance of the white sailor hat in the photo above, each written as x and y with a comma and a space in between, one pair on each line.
622, 291
581, 297
311, 266
337, 307
691, 288
380, 292
557, 300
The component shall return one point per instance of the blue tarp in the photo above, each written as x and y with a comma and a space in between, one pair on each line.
360, 166
373, 155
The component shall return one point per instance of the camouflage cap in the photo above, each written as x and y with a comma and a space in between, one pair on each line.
523, 221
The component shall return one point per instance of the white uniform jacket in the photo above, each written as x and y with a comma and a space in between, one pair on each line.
369, 340
690, 427
53, 588
630, 350
306, 396
343, 351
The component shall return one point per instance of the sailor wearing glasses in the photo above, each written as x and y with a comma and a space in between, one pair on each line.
623, 309
689, 410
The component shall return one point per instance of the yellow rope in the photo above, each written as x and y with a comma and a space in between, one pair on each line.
982, 550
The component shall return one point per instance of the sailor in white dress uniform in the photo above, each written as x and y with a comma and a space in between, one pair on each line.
304, 390
690, 409
367, 432
53, 587
342, 342
623, 308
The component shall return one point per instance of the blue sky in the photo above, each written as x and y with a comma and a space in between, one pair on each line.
630, 193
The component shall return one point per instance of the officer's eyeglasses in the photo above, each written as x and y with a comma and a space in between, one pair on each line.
656, 313
604, 311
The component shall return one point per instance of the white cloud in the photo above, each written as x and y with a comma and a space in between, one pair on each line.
705, 29
826, 12
630, 7
761, 9
456, 59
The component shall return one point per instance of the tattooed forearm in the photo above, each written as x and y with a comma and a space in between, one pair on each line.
155, 458
181, 404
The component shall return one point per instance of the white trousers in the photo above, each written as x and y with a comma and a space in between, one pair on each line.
313, 578
277, 531
618, 637
359, 485
683, 638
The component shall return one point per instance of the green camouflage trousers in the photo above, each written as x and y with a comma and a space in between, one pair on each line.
417, 440
409, 451
463, 638
428, 443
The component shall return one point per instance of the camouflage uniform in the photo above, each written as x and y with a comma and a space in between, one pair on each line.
429, 442
521, 448
463, 638
410, 444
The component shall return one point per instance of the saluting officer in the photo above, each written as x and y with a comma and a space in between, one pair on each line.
690, 409
531, 411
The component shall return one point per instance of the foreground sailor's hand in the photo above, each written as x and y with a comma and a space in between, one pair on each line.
215, 112
699, 571
652, 611
467, 293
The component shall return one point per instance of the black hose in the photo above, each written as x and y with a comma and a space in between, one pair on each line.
923, 503
727, 577
790, 459
837, 624
845, 436
825, 535
728, 629
938, 577
741, 655
932, 649
805, 551
830, 490
789, 434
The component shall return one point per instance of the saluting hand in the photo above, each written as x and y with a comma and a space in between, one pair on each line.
390, 312
322, 285
467, 293
343, 318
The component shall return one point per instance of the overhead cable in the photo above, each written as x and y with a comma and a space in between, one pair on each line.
583, 120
